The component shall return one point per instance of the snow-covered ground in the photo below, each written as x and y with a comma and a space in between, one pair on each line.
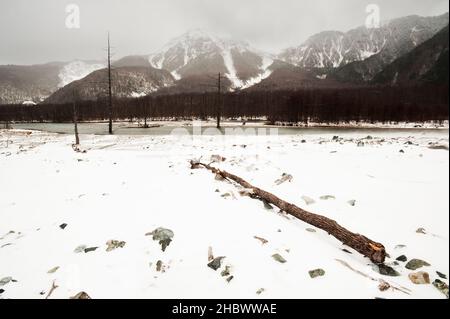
124, 187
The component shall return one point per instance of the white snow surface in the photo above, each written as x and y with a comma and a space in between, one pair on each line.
126, 186
29, 103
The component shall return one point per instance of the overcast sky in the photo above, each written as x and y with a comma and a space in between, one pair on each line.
35, 31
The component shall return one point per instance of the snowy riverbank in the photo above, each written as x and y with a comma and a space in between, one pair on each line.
54, 200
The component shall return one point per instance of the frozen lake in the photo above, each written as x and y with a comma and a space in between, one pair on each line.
208, 128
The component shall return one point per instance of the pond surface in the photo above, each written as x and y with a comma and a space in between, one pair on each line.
231, 128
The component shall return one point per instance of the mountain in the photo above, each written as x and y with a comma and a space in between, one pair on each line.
132, 60
128, 81
400, 36
361, 53
285, 76
426, 63
198, 53
191, 62
20, 83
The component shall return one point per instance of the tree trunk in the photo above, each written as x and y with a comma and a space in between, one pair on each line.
75, 121
373, 250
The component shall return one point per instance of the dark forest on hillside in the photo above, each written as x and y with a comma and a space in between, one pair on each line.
370, 104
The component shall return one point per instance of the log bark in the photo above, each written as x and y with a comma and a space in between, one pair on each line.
365, 246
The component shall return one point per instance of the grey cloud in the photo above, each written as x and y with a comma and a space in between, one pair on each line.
35, 32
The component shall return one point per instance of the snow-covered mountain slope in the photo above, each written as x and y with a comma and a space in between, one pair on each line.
402, 36
127, 82
428, 62
198, 52
332, 49
76, 70
19, 83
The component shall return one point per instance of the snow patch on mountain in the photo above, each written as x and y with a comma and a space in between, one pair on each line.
265, 73
76, 70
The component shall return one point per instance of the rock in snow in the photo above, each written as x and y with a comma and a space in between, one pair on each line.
385, 270
414, 264
420, 278
81, 295
279, 258
113, 244
316, 273
441, 286
216, 263
163, 235
308, 200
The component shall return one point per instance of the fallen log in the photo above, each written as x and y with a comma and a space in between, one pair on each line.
373, 250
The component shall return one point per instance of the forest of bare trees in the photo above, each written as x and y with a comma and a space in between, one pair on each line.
371, 104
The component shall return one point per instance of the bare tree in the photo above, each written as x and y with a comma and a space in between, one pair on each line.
75, 118
219, 105
109, 88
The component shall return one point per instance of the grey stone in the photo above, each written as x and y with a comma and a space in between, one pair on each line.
80, 249
284, 178
327, 197
441, 286
159, 265
81, 295
5, 280
114, 244
385, 270
414, 264
441, 275
352, 202
421, 231
402, 258
163, 235
216, 263
53, 270
226, 271
308, 200
260, 291
316, 273
279, 258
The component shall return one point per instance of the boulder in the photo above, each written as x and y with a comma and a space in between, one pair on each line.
419, 278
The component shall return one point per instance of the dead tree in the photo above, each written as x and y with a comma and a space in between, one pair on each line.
373, 250
219, 106
75, 119
109, 89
